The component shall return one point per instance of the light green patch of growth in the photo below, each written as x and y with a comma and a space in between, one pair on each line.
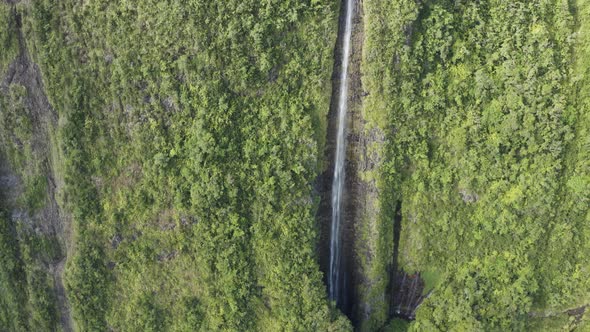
584, 324
556, 323
432, 279
562, 321
382, 20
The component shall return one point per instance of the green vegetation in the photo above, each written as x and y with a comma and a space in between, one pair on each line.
584, 324
8, 37
397, 325
191, 134
485, 106
188, 136
13, 300
18, 140
431, 280
28, 301
550, 324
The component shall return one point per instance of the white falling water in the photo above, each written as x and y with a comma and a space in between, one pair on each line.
338, 182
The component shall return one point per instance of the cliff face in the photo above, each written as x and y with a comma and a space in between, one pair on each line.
363, 207
365, 280
488, 180
182, 138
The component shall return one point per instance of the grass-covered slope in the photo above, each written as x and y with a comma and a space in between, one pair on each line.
29, 247
485, 108
191, 134
8, 37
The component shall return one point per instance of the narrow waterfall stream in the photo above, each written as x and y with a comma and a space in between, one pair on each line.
335, 280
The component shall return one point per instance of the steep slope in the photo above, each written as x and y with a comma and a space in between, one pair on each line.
484, 152
158, 162
34, 228
190, 134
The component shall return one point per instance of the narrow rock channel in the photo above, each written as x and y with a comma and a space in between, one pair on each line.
339, 185
349, 208
336, 278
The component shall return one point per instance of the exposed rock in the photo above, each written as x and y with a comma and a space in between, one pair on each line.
116, 240
468, 196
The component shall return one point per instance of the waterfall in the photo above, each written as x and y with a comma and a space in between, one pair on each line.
338, 181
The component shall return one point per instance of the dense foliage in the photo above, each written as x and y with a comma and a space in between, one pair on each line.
191, 133
188, 135
485, 107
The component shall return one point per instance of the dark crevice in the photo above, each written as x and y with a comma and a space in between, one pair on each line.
392, 289
324, 187
405, 289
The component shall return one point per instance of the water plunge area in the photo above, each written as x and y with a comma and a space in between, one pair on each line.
346, 204
335, 276
406, 290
